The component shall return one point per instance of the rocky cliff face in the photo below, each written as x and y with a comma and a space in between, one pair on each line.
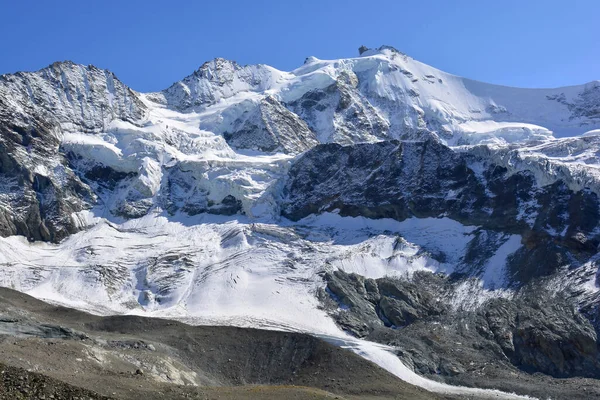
341, 113
40, 190
270, 127
426, 179
76, 97
533, 331
39, 193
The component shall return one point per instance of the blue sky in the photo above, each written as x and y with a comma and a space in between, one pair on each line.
150, 44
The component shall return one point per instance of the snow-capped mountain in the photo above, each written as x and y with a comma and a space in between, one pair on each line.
386, 94
312, 200
77, 97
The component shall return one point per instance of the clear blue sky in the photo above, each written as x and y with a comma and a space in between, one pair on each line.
150, 44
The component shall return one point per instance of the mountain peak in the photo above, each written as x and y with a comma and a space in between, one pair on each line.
62, 63
365, 51
68, 65
262, 190
75, 96
215, 80
208, 68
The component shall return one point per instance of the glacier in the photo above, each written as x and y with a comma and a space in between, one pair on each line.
218, 270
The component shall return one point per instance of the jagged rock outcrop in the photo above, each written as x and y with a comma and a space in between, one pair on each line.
426, 179
38, 191
41, 191
370, 304
215, 80
535, 330
270, 127
340, 113
72, 96
541, 335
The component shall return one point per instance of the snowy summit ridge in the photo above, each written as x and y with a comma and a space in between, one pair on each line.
460, 111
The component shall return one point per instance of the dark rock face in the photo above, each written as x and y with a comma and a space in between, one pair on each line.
106, 182
38, 191
424, 179
182, 193
362, 49
228, 206
387, 179
551, 337
271, 127
350, 116
84, 98
369, 304
535, 331
436, 330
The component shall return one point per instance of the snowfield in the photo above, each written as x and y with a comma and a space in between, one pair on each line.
227, 268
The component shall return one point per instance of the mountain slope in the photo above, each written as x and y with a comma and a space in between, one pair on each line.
78, 98
389, 93
127, 357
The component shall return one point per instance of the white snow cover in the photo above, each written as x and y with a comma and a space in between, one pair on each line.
574, 160
382, 356
216, 267
231, 270
182, 127
405, 93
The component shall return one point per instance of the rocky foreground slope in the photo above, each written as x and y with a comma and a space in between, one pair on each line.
61, 353
368, 199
